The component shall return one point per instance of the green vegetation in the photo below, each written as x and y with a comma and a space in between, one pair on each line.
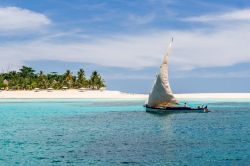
27, 79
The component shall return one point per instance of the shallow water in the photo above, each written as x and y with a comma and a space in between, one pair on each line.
119, 132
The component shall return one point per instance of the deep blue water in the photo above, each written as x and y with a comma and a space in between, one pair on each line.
119, 132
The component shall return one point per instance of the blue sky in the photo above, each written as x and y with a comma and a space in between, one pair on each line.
125, 41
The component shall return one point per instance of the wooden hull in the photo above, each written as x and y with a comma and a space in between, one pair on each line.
168, 110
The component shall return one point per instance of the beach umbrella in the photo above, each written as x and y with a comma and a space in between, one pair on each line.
82, 89
102, 89
5, 82
65, 87
37, 89
50, 89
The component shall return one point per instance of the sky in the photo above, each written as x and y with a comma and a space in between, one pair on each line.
125, 41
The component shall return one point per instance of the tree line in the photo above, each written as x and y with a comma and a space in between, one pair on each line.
27, 79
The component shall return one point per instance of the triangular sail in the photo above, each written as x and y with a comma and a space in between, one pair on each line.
161, 93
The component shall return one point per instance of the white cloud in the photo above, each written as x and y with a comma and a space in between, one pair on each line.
140, 20
14, 18
192, 49
236, 15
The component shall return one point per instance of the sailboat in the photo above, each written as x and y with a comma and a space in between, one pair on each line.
161, 98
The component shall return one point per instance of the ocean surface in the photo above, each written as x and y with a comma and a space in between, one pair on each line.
120, 132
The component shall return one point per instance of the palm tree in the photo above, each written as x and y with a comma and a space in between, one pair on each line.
27, 72
81, 80
54, 80
14, 80
96, 81
68, 78
1, 81
27, 79
42, 81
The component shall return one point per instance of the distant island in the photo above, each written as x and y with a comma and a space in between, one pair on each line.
27, 79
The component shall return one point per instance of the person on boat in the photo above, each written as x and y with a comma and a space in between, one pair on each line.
185, 104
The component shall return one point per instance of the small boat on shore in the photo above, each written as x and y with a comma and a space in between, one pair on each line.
161, 98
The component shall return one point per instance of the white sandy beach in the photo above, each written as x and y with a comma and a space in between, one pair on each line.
60, 94
91, 94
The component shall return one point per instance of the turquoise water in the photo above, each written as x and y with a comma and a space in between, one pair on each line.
119, 132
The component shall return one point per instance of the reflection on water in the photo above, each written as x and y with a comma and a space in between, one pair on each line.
115, 132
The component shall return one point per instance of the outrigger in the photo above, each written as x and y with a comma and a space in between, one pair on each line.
161, 98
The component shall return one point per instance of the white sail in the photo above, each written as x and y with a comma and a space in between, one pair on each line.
161, 93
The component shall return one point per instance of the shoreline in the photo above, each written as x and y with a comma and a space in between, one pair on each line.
106, 94
69, 94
